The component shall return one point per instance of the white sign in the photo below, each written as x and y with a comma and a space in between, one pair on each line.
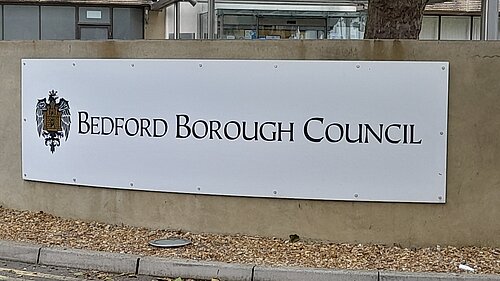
94, 15
335, 130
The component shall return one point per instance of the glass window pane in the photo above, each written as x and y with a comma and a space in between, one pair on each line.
203, 21
94, 33
21, 22
1, 22
476, 28
91, 15
127, 23
430, 27
455, 28
239, 27
58, 22
289, 27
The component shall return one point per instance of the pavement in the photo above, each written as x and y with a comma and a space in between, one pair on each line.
154, 266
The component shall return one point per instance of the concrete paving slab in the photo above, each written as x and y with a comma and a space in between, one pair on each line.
418, 276
19, 251
194, 269
301, 274
84, 259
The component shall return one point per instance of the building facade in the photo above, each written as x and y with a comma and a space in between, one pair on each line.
66, 20
450, 20
235, 20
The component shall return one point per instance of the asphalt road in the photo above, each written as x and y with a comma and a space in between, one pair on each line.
17, 271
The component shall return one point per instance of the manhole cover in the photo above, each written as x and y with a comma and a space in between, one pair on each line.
169, 242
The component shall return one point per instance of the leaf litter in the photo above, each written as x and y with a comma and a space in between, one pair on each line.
48, 230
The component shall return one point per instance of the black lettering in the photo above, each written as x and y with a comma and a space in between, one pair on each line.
281, 131
118, 125
83, 122
180, 126
360, 132
255, 129
405, 133
215, 129
387, 136
94, 121
329, 137
306, 131
238, 130
261, 131
127, 129
145, 127
155, 128
103, 126
205, 130
412, 135
378, 137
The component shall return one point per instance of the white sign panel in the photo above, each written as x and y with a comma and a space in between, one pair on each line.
334, 130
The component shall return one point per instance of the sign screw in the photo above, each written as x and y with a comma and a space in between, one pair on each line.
25, 175
440, 174
440, 197
24, 119
74, 179
132, 65
275, 66
356, 195
200, 65
199, 188
358, 66
131, 184
441, 133
443, 67
74, 64
275, 192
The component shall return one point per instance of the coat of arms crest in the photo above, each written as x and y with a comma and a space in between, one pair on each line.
53, 120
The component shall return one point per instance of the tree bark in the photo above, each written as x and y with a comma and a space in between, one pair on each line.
394, 19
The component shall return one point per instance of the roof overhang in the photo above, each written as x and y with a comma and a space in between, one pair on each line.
81, 2
275, 4
342, 4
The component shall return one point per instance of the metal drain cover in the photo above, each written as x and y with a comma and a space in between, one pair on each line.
170, 242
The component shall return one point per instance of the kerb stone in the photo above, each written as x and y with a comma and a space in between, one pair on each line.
19, 252
300, 274
194, 269
83, 259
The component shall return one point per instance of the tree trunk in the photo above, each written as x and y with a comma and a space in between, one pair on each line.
394, 19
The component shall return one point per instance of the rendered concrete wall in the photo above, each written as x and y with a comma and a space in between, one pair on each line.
470, 216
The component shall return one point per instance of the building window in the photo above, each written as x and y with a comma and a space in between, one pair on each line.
33, 22
1, 22
455, 28
346, 27
267, 24
239, 27
127, 23
476, 28
94, 32
21, 22
58, 23
430, 28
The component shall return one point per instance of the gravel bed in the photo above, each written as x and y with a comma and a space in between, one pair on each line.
49, 230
